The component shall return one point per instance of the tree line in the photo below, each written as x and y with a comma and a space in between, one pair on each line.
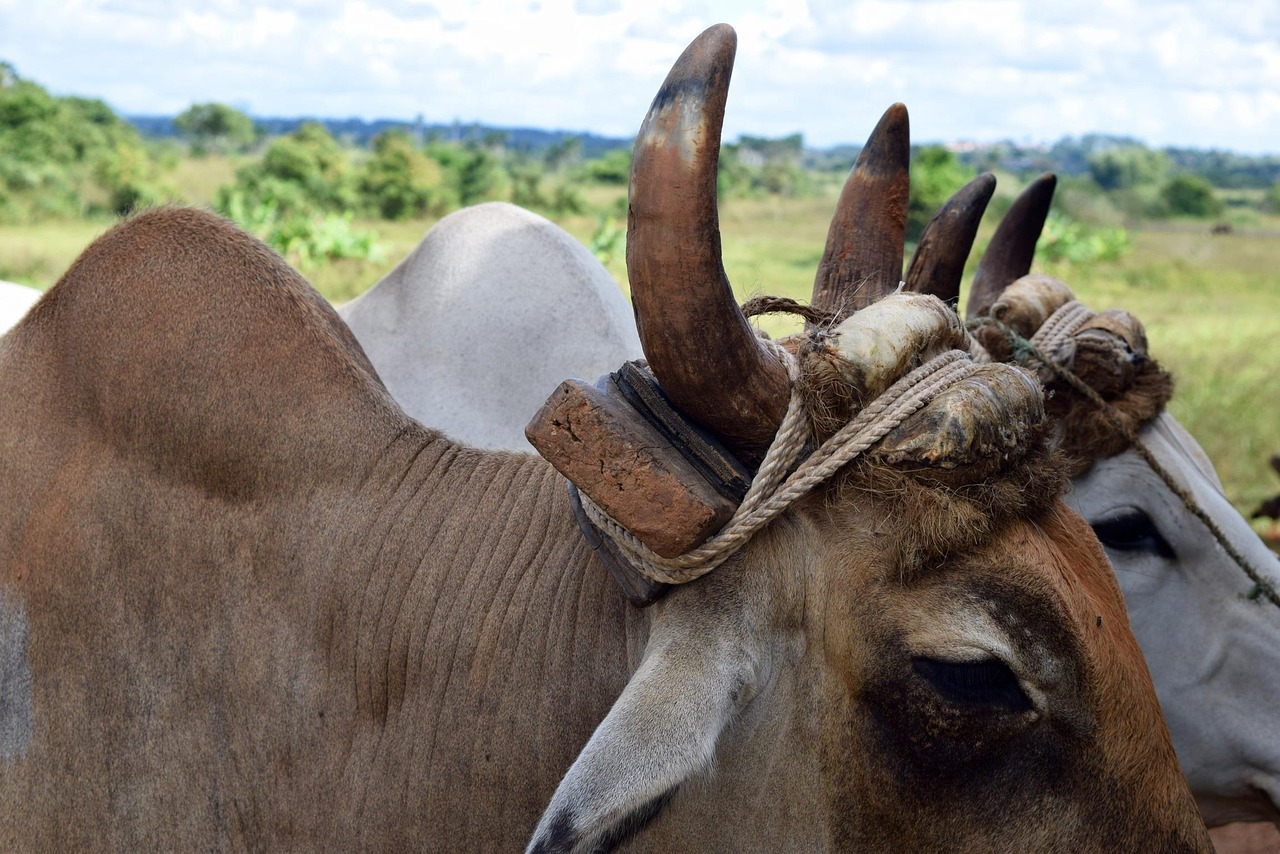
301, 189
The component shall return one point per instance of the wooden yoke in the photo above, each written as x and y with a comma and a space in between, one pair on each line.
624, 446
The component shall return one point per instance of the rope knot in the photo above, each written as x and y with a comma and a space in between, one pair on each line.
1051, 338
792, 468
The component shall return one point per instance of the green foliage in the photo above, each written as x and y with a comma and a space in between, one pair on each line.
215, 127
1271, 201
785, 148
608, 240
65, 157
1190, 195
300, 196
562, 155
308, 241
399, 181
612, 167
1066, 241
1127, 166
472, 172
755, 166
303, 173
305, 240
935, 175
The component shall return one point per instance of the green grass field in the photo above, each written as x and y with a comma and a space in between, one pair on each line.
1209, 303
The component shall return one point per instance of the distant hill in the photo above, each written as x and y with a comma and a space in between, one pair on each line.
360, 132
1067, 156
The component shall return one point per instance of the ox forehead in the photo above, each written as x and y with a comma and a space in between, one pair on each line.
257, 606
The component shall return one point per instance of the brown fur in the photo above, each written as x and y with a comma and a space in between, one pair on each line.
268, 611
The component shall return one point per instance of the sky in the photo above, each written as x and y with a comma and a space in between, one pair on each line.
1195, 74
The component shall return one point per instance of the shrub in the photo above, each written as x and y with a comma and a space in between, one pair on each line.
1271, 201
300, 174
935, 175
1124, 166
1190, 195
1066, 241
608, 240
399, 181
612, 167
66, 156
471, 172
215, 127
305, 240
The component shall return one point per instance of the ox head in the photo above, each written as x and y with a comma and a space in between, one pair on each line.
1216, 672
928, 652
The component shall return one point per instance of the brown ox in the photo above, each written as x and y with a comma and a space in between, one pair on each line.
246, 603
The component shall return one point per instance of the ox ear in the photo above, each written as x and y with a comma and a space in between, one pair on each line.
661, 732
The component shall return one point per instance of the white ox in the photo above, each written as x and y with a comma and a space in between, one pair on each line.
497, 305
478, 349
14, 302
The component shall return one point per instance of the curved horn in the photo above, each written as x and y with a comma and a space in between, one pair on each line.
938, 263
698, 343
1008, 257
863, 258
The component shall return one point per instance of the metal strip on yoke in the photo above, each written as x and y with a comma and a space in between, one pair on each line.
713, 461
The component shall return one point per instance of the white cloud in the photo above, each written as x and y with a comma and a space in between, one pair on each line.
1185, 73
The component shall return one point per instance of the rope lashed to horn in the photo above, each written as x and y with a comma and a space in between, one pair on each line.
890, 360
787, 474
1036, 321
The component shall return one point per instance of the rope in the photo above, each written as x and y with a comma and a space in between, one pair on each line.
1055, 331
785, 305
780, 482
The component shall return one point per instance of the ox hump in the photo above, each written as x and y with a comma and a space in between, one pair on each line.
179, 338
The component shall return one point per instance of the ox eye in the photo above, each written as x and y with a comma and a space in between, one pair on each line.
988, 682
1132, 531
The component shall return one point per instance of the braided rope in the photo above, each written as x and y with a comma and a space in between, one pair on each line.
1060, 326
780, 482
1054, 332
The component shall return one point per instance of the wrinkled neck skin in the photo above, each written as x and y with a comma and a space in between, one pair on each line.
1214, 654
407, 657
488, 644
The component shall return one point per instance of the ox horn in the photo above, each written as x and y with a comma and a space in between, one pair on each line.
698, 343
1013, 246
938, 263
863, 257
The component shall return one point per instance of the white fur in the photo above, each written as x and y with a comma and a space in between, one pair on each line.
479, 324
14, 302
1214, 654
17, 717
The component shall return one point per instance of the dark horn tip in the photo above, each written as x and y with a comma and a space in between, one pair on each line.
978, 190
1013, 246
1041, 189
888, 148
938, 264
696, 75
